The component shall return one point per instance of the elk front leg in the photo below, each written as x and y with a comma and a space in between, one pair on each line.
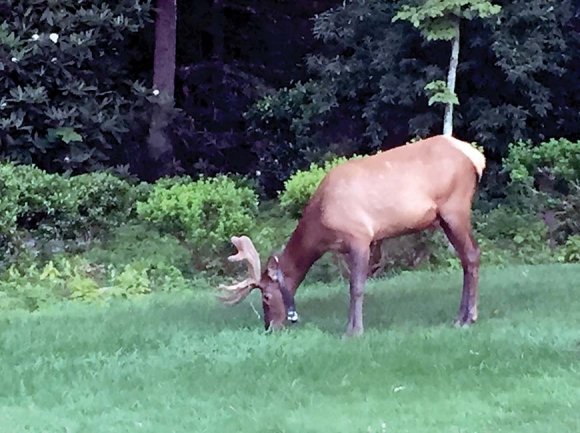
358, 261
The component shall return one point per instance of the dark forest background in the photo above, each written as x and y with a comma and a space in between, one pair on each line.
268, 87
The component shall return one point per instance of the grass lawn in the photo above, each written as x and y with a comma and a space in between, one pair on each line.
187, 364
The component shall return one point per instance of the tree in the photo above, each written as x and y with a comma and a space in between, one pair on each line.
523, 79
440, 20
68, 100
160, 147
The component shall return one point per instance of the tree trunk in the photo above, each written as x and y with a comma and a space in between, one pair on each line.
160, 148
451, 75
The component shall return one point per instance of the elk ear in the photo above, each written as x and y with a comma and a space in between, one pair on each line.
273, 267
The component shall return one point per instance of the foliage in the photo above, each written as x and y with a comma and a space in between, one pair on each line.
206, 212
55, 207
235, 60
28, 195
571, 251
132, 243
77, 279
437, 19
379, 83
440, 93
555, 159
36, 287
567, 212
104, 200
533, 44
44, 214
513, 235
545, 178
301, 185
291, 130
441, 20
209, 127
67, 100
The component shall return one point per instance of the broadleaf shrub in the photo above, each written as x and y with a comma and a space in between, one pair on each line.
544, 180
206, 212
45, 213
522, 236
29, 196
301, 185
554, 159
570, 252
103, 200
67, 100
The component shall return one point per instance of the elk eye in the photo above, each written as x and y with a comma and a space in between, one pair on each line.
267, 297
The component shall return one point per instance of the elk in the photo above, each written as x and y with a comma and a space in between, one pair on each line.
422, 185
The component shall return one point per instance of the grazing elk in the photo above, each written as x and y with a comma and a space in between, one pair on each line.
407, 189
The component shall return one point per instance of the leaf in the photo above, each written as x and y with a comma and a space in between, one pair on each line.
67, 134
440, 93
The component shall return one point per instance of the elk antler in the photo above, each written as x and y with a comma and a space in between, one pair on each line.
236, 292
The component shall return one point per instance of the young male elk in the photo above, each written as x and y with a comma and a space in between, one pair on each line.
407, 189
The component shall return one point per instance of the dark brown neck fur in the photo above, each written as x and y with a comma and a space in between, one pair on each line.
300, 253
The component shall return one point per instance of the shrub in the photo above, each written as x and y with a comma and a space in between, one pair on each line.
523, 236
570, 252
54, 208
566, 214
555, 159
29, 196
34, 287
206, 213
545, 180
103, 201
301, 185
44, 214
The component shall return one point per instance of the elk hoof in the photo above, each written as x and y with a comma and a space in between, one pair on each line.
356, 331
461, 322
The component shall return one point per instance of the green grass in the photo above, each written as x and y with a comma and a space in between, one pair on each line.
187, 364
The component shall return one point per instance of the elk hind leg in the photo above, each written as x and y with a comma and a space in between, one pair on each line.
458, 231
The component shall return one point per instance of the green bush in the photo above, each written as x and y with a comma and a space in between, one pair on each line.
30, 196
555, 159
51, 206
206, 213
545, 180
301, 185
570, 252
566, 213
103, 201
44, 214
513, 234
34, 287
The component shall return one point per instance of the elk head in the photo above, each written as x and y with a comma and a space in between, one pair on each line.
277, 302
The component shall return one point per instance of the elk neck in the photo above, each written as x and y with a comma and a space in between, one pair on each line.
300, 253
